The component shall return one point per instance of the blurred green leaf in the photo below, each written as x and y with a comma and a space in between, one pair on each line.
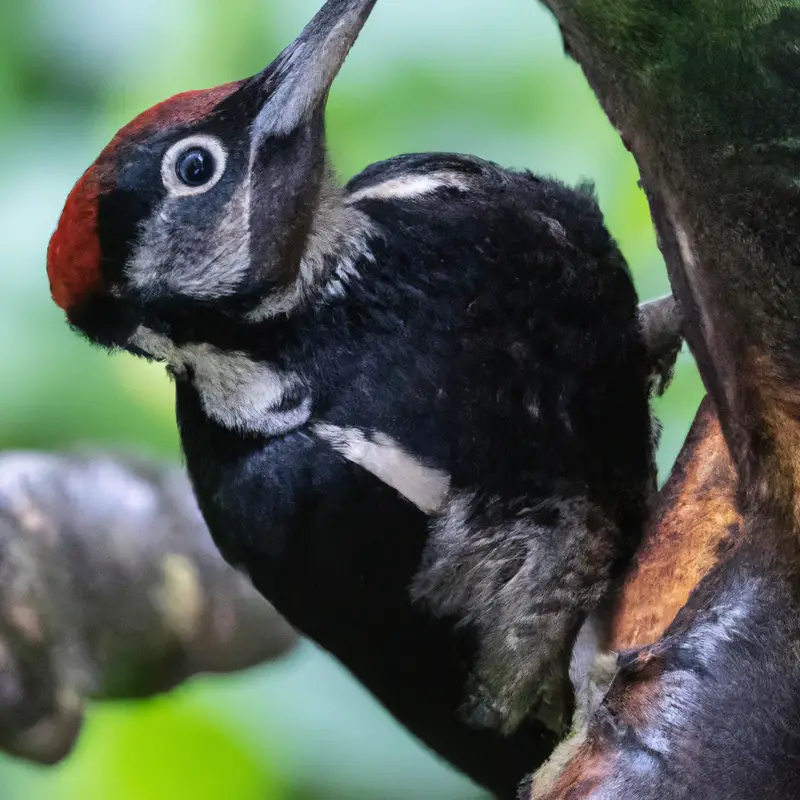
164, 749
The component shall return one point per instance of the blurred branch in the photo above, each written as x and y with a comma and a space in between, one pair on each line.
110, 587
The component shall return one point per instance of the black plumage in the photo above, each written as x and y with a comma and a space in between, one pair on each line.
468, 311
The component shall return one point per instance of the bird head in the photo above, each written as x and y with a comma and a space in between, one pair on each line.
207, 201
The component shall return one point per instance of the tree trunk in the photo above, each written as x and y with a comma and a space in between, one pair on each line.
705, 95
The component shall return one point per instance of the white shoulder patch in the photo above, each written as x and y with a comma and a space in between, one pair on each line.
408, 186
381, 455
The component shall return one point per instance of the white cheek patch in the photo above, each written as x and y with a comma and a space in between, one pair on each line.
381, 455
410, 186
200, 264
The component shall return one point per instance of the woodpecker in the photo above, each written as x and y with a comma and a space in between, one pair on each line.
414, 408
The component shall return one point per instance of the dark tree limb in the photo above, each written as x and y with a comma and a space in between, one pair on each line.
706, 95
110, 587
703, 700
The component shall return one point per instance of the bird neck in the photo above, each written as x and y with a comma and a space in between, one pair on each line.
338, 236
241, 365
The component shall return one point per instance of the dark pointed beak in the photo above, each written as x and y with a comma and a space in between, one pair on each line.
296, 84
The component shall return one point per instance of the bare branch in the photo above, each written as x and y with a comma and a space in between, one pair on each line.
110, 587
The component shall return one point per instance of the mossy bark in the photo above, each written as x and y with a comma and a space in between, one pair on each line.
706, 94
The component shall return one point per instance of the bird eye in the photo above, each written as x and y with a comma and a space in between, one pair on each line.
193, 165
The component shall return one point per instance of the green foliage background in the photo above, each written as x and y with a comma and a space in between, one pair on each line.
480, 76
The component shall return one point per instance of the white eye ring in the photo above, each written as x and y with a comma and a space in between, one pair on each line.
169, 175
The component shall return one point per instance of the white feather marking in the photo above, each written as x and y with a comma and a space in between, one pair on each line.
337, 232
381, 455
409, 186
239, 393
213, 265
556, 229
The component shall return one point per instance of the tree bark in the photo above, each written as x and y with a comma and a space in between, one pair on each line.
701, 701
705, 94
110, 587
693, 522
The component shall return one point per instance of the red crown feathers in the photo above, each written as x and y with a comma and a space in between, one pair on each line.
74, 255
